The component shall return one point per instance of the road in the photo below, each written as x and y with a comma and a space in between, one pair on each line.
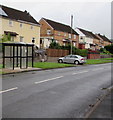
55, 93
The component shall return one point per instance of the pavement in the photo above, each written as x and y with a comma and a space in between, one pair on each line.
103, 108
56, 93
18, 70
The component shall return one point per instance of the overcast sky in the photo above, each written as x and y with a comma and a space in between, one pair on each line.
93, 16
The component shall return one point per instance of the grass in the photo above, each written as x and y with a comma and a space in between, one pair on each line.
99, 61
47, 65
1, 66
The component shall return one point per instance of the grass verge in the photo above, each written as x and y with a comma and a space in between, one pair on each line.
99, 61
47, 65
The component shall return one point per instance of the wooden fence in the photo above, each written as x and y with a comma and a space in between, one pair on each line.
57, 52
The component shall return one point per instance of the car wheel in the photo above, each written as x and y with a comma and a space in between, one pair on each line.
76, 62
60, 61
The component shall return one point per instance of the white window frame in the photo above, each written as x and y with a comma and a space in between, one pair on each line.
21, 39
48, 32
74, 44
59, 33
64, 34
64, 44
10, 23
69, 35
74, 36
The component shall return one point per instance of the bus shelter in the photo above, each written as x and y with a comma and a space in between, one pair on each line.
17, 55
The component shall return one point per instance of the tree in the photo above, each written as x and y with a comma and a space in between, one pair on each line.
5, 38
109, 48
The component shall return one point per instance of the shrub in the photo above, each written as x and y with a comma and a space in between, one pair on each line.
109, 48
82, 52
103, 50
54, 45
5, 38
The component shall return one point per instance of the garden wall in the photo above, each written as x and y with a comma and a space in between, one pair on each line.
57, 52
106, 56
93, 55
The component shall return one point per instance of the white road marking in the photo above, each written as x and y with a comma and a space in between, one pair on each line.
97, 69
8, 90
80, 72
48, 80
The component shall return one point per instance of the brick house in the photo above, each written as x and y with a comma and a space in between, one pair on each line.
54, 31
104, 41
87, 39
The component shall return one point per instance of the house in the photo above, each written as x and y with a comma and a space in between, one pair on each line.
21, 26
87, 39
58, 32
103, 40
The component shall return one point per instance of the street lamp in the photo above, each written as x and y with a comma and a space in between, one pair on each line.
71, 33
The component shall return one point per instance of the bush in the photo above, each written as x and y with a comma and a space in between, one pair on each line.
109, 48
103, 50
82, 52
54, 45
5, 38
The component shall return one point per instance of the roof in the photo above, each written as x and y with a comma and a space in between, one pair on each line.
11, 33
104, 38
59, 26
88, 33
16, 14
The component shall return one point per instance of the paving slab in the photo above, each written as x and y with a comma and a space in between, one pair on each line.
17, 70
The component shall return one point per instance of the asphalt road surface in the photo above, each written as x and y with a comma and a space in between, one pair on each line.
55, 93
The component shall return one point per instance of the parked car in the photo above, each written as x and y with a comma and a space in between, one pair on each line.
76, 59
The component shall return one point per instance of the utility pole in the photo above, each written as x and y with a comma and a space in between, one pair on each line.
71, 33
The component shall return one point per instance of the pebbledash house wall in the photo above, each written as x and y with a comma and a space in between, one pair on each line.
24, 31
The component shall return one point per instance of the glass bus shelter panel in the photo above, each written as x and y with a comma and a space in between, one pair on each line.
29, 51
8, 62
9, 51
23, 57
23, 63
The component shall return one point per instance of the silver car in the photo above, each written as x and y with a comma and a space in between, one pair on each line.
76, 59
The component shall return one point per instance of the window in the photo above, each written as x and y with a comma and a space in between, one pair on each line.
58, 33
74, 44
21, 39
74, 36
31, 27
12, 38
64, 44
21, 25
69, 35
33, 40
10, 23
74, 56
64, 34
48, 32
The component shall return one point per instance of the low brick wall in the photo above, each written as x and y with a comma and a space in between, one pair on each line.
93, 56
56, 52
106, 56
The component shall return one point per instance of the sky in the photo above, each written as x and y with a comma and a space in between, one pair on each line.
93, 16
